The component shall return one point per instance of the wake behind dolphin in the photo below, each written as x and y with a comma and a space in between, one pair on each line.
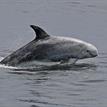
51, 48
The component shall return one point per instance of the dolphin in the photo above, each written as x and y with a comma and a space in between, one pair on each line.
51, 48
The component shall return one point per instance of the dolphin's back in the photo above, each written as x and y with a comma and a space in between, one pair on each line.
29, 52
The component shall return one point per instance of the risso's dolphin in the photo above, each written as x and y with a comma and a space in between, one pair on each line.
51, 48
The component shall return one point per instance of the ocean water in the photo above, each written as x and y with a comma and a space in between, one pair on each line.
81, 85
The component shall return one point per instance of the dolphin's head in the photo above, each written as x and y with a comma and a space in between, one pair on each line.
89, 51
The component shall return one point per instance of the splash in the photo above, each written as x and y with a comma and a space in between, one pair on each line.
42, 66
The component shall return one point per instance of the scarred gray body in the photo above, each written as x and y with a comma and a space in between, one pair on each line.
50, 48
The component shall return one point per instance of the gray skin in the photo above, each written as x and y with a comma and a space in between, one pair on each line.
50, 48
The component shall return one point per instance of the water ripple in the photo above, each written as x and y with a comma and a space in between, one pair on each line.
94, 81
43, 102
76, 67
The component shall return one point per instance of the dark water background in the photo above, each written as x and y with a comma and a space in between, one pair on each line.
83, 85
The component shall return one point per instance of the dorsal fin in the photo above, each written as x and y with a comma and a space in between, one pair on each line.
40, 33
